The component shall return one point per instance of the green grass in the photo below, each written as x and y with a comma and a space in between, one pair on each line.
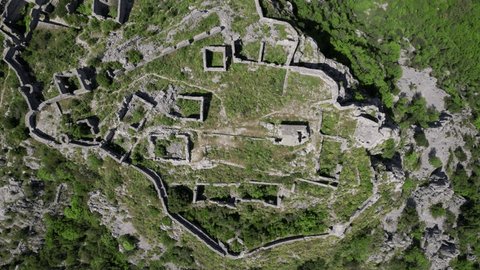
329, 157
135, 116
217, 59
246, 15
164, 14
337, 123
251, 50
204, 25
356, 165
435, 161
189, 108
437, 210
253, 93
282, 32
255, 155
246, 94
306, 89
275, 54
219, 193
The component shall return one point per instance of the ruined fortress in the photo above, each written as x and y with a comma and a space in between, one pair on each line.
287, 133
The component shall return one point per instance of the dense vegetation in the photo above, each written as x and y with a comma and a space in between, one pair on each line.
368, 36
255, 225
76, 238
52, 51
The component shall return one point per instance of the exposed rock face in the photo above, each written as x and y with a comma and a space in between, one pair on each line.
443, 137
370, 134
18, 213
415, 82
440, 248
117, 219
392, 243
371, 131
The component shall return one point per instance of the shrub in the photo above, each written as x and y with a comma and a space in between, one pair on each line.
420, 138
103, 79
434, 161
389, 149
411, 161
179, 198
408, 186
437, 210
134, 57
460, 154
128, 242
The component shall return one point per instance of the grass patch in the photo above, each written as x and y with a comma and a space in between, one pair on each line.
217, 59
217, 193
164, 15
250, 50
246, 15
196, 28
306, 89
329, 157
189, 108
135, 116
355, 183
435, 161
437, 210
255, 155
275, 54
337, 123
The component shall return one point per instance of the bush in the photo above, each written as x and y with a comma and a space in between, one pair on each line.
389, 149
134, 57
411, 161
181, 256
128, 242
434, 161
437, 210
10, 122
179, 198
408, 186
413, 258
420, 138
103, 79
318, 264
460, 154
415, 112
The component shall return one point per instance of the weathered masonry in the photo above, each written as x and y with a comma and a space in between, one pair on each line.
215, 58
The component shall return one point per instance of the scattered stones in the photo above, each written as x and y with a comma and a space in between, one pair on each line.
440, 248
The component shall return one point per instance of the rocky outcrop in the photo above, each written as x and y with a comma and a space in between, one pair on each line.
439, 247
117, 219
19, 213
